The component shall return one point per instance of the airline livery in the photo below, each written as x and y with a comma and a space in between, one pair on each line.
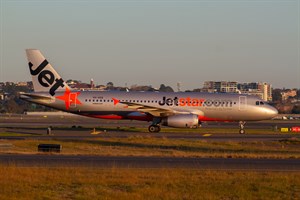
176, 109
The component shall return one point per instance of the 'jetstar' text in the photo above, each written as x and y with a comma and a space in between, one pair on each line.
194, 102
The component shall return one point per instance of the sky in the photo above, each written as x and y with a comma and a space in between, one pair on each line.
152, 42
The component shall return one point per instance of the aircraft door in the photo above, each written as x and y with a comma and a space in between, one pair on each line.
72, 100
242, 102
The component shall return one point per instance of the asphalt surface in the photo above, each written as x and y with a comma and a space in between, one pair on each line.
30, 121
37, 126
51, 160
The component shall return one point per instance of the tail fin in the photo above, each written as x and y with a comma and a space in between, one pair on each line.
44, 76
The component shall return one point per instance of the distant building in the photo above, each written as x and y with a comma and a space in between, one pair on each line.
288, 93
262, 90
101, 87
9, 83
21, 84
81, 86
267, 91
72, 83
78, 85
220, 86
3, 96
92, 84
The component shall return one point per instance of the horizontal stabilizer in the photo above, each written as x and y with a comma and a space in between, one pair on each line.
35, 96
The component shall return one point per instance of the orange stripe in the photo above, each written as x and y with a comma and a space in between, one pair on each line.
204, 118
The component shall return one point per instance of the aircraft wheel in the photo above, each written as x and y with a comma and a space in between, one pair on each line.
157, 129
154, 129
242, 126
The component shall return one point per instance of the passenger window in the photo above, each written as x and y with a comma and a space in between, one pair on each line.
257, 103
261, 103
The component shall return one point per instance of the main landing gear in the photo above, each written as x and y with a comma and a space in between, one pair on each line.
242, 126
155, 126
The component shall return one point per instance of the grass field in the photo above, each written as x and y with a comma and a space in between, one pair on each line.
14, 134
91, 183
150, 146
121, 183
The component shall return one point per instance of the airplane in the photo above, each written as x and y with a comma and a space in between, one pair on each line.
172, 109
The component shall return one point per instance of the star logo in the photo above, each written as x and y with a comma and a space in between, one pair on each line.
69, 98
116, 101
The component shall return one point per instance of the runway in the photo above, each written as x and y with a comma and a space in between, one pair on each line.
30, 121
82, 127
36, 126
50, 160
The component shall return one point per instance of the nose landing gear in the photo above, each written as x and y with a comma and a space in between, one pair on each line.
242, 126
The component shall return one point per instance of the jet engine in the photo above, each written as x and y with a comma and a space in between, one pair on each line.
182, 121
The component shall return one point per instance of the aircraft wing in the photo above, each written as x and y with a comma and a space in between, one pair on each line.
152, 110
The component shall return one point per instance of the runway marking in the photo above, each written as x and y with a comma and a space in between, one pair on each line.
94, 132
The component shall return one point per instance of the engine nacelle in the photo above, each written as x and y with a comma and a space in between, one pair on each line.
181, 121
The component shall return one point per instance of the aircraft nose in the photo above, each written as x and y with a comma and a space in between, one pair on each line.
271, 112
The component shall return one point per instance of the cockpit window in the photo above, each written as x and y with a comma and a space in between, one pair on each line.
259, 103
